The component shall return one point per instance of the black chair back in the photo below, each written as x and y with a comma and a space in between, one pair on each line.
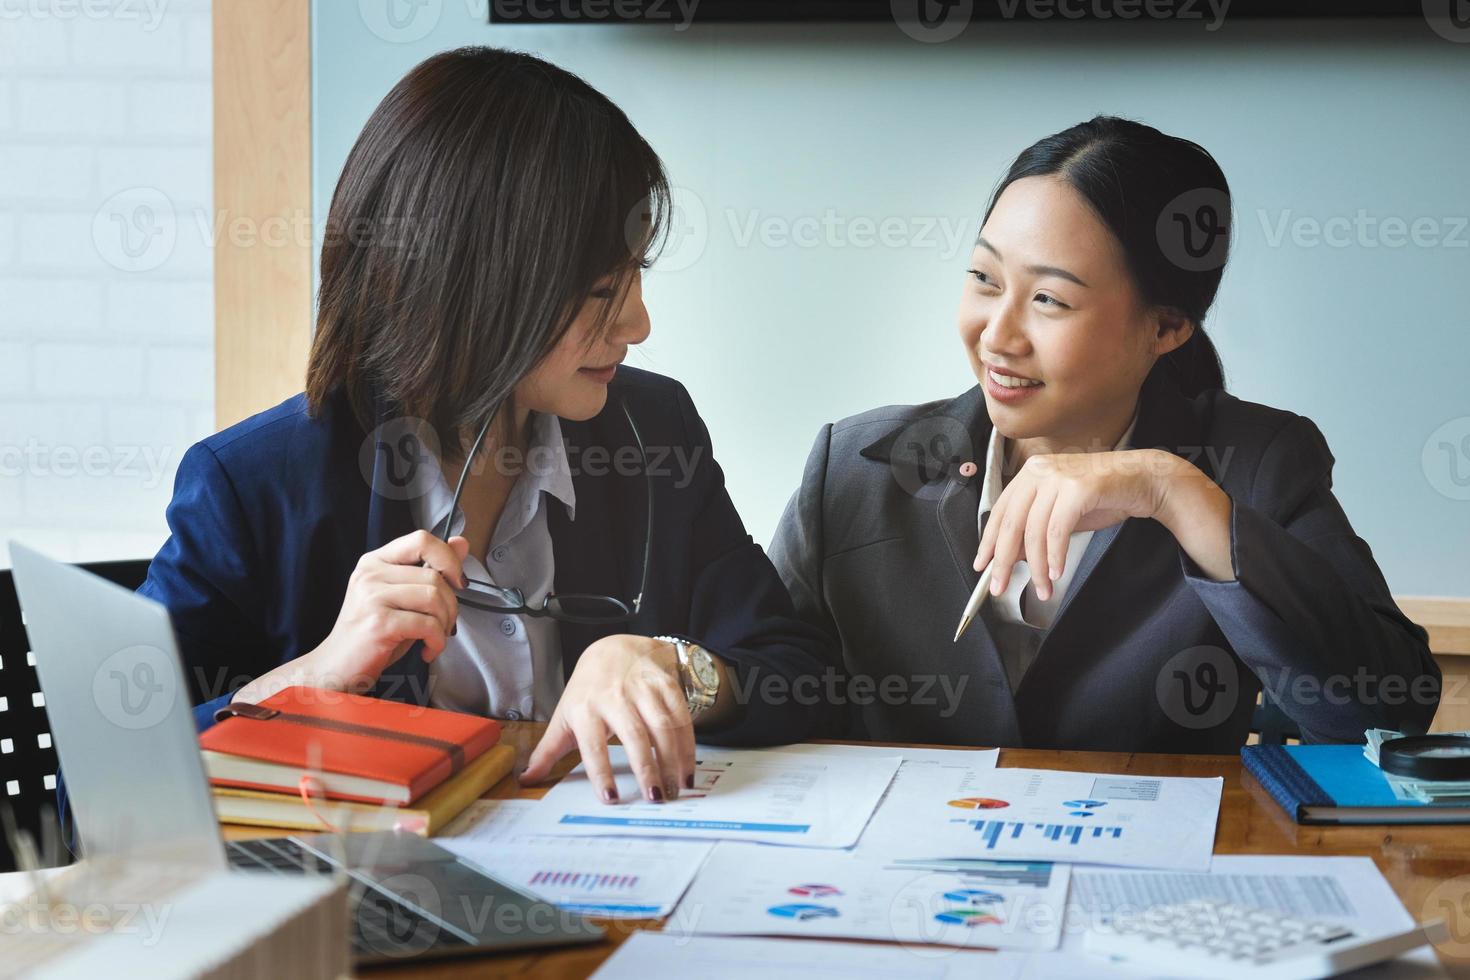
27, 758
1272, 724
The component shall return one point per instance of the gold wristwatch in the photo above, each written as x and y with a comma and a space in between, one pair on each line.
697, 673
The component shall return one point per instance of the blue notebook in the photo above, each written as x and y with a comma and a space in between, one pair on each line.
1335, 784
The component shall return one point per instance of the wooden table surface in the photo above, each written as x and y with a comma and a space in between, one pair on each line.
1429, 867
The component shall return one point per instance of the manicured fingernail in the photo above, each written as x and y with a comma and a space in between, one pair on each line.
610, 795
1055, 574
689, 781
453, 629
656, 794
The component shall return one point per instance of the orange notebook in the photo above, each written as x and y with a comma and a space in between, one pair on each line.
367, 749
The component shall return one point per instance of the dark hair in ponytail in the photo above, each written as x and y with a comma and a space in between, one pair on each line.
1162, 197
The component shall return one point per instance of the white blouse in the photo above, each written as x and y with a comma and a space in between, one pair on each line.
1016, 618
500, 665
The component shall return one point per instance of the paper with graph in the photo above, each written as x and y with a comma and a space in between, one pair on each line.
943, 816
755, 890
812, 796
610, 877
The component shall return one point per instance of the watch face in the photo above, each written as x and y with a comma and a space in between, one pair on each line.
704, 669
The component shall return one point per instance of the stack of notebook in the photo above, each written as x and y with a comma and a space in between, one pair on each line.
362, 763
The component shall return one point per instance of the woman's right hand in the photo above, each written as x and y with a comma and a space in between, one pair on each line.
398, 595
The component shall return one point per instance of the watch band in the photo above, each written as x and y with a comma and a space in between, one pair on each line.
699, 695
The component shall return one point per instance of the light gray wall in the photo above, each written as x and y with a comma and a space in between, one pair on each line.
106, 277
873, 145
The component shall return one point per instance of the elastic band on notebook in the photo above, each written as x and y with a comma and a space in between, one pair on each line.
305, 785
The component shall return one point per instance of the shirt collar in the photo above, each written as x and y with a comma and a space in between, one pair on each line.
993, 484
544, 468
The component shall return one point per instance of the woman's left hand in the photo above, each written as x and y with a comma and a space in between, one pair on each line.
1052, 496
626, 686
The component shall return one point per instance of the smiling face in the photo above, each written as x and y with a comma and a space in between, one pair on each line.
571, 382
1049, 298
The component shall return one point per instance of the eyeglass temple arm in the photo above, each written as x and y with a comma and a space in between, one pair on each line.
442, 532
648, 482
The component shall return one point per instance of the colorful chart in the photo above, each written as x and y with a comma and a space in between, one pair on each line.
1055, 832
814, 891
1085, 804
978, 803
803, 913
969, 917
583, 879
982, 871
973, 897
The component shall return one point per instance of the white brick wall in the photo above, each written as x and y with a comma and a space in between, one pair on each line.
106, 298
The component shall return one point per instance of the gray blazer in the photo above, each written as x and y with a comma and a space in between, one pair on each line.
1145, 654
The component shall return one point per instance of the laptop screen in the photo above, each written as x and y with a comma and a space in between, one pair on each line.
120, 715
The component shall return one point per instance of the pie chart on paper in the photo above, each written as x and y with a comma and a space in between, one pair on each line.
978, 803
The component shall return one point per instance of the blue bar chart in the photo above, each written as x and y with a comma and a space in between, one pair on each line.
991, 832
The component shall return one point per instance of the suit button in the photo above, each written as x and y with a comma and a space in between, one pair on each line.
968, 470
512, 715
499, 553
508, 627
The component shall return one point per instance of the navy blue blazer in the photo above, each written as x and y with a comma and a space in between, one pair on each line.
270, 516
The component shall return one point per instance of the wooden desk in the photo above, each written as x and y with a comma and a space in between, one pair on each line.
1429, 867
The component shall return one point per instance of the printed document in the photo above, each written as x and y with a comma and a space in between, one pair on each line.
804, 797
663, 954
754, 890
611, 877
938, 814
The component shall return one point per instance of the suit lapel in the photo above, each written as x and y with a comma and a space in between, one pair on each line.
592, 553
925, 457
956, 513
389, 516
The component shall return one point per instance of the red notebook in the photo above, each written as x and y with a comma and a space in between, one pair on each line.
370, 750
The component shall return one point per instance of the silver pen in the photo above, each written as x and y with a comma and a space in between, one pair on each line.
977, 599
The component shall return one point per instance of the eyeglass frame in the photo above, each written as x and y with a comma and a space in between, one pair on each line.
514, 597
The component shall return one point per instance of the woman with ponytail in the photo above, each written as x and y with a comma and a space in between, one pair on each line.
1159, 551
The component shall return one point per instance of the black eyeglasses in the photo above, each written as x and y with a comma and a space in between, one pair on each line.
586, 609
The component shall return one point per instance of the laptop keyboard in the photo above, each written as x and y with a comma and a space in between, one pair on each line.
279, 854
383, 929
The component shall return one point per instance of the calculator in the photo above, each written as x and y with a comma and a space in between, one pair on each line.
1211, 938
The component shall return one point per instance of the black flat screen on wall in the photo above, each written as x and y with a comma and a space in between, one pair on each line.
754, 11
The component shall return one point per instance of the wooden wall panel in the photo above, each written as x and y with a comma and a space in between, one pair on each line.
262, 203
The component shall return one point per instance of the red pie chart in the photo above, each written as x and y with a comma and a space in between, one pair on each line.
978, 803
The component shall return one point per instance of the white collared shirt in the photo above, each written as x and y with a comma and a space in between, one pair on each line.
1018, 604
497, 665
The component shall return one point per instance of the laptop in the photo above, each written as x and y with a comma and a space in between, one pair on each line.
122, 724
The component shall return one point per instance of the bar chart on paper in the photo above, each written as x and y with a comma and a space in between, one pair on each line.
611, 877
945, 818
585, 880
991, 832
